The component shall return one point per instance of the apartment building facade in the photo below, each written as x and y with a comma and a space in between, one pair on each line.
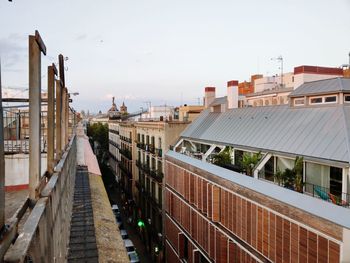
225, 214
137, 150
153, 139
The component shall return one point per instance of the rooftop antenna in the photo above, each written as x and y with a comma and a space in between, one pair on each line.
280, 59
149, 107
198, 100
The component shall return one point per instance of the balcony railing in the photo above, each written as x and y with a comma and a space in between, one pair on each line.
336, 197
159, 153
114, 131
152, 149
125, 169
126, 139
140, 145
114, 144
127, 153
317, 191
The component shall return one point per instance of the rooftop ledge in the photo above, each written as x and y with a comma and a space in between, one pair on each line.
316, 207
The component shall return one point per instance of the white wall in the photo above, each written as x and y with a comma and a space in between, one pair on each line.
17, 168
300, 79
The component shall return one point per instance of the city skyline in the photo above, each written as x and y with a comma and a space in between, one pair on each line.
171, 50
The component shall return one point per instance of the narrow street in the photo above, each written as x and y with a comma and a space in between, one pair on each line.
115, 198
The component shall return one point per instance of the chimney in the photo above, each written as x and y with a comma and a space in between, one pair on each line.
232, 94
209, 96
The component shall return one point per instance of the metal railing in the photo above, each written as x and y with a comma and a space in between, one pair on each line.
327, 194
17, 133
336, 197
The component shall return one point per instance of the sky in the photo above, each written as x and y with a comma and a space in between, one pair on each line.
166, 52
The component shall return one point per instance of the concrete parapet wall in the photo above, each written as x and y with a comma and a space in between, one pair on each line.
109, 242
45, 234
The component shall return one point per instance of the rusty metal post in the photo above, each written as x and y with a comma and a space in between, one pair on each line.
2, 164
63, 118
67, 118
58, 119
36, 46
51, 72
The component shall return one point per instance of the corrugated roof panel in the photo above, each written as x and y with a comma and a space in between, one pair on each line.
310, 131
322, 86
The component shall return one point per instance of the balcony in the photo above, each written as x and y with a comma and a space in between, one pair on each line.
152, 149
326, 194
157, 175
114, 144
125, 139
159, 153
125, 169
140, 145
114, 131
127, 153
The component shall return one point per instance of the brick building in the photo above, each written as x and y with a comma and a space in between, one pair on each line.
225, 214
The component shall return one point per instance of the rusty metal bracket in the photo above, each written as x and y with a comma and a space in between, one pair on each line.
40, 42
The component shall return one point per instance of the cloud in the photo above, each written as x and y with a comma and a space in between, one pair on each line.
108, 97
12, 53
81, 37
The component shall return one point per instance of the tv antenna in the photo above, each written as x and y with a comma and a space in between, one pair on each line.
280, 60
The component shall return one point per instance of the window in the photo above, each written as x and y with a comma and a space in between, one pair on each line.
336, 181
330, 99
316, 100
347, 98
299, 102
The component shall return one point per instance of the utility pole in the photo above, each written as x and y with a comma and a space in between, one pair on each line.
36, 46
2, 164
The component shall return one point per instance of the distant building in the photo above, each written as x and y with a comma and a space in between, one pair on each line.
156, 112
274, 90
190, 112
123, 109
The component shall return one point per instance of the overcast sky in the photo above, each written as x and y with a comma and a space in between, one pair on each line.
167, 51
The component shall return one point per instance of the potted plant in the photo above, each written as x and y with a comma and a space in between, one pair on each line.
250, 161
223, 158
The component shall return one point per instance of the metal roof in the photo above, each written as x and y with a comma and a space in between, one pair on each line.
322, 87
320, 208
316, 132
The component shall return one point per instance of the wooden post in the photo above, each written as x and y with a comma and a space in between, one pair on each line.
36, 46
51, 72
58, 119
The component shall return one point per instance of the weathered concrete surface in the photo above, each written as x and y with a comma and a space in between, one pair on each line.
109, 242
13, 201
110, 245
85, 155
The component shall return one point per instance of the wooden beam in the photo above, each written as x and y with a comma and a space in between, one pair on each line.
40, 42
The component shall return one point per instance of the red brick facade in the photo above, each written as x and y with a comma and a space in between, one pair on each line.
229, 227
